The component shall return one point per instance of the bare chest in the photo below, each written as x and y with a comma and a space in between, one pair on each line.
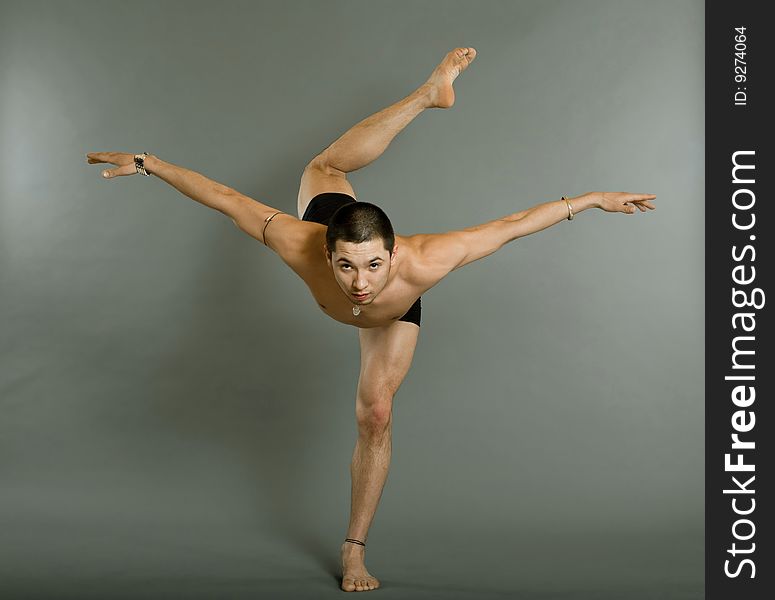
395, 299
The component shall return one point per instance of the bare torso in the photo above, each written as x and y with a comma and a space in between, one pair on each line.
388, 306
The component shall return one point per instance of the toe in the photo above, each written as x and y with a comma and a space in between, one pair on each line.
463, 57
348, 585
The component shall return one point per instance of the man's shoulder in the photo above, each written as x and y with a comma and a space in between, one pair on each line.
297, 242
410, 255
426, 258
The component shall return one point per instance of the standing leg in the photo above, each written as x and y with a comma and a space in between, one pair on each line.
386, 355
366, 141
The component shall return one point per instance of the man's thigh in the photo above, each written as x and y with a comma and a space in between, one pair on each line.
386, 355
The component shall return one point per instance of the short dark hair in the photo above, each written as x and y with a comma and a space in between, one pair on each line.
359, 222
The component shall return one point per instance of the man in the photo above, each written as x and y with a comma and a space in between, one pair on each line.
363, 274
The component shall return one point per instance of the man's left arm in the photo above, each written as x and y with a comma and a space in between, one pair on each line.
439, 254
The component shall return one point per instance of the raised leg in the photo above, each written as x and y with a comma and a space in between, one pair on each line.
366, 141
386, 355
359, 146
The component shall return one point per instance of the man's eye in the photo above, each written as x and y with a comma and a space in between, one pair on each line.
374, 264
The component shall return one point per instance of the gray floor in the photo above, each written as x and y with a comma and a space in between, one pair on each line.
121, 561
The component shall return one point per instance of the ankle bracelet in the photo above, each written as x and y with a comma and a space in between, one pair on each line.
352, 541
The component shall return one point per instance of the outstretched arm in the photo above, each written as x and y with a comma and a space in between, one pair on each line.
286, 234
194, 185
444, 252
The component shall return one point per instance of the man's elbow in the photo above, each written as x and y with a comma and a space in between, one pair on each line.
240, 212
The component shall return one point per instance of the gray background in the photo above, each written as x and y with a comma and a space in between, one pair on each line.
177, 415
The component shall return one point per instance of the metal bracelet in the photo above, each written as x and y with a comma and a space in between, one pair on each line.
140, 164
570, 210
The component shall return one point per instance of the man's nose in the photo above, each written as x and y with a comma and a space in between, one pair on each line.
360, 282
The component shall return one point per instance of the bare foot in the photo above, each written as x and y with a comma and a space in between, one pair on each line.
355, 577
441, 93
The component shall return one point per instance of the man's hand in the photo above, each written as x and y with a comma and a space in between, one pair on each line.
124, 161
623, 201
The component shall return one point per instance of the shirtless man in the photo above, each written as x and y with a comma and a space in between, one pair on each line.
362, 274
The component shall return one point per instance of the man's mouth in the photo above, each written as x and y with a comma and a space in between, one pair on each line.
360, 296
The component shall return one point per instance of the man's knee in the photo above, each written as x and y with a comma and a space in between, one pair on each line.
374, 411
322, 163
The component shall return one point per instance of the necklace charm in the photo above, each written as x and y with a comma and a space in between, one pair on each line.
356, 310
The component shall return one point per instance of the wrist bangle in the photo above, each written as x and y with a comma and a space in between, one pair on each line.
570, 210
140, 164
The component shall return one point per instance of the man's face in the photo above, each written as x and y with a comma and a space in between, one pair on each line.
361, 268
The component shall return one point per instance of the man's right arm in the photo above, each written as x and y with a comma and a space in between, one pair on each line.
194, 185
289, 237
285, 234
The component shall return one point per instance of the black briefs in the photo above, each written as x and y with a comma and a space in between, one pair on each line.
320, 210
323, 206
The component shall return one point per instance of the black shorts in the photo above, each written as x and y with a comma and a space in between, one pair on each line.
320, 209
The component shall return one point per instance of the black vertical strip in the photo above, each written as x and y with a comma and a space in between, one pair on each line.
728, 129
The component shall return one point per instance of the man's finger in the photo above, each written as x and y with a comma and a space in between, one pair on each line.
125, 170
100, 157
95, 157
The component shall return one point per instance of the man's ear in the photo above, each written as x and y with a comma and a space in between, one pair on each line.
393, 254
327, 253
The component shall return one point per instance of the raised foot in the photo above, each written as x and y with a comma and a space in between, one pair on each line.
442, 95
355, 577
